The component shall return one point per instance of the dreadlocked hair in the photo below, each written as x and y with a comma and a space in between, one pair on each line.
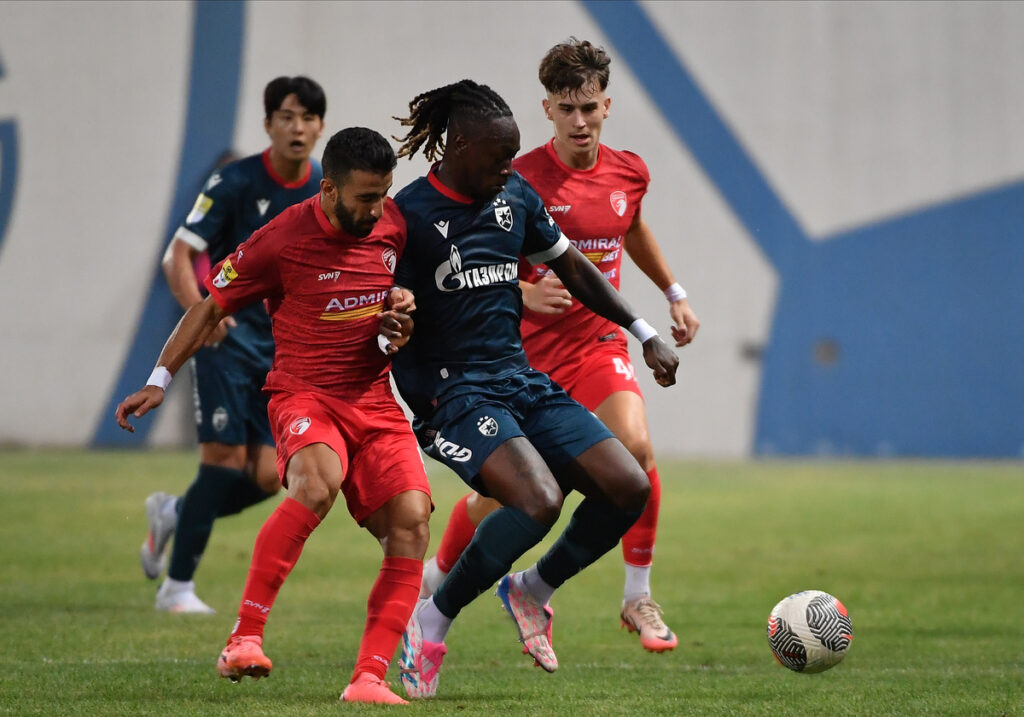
431, 113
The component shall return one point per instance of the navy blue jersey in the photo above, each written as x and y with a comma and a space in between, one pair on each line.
236, 200
461, 261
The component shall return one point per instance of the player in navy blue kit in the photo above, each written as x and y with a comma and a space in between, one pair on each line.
504, 428
237, 457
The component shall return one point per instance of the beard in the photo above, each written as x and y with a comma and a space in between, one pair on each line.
350, 225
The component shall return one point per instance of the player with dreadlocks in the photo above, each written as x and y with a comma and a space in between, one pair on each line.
582, 352
503, 427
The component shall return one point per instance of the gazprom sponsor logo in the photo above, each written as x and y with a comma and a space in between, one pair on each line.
448, 279
451, 451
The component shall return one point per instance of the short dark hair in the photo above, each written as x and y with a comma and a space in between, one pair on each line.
357, 148
572, 65
310, 94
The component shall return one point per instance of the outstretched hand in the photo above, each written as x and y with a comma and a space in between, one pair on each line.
662, 360
138, 404
547, 296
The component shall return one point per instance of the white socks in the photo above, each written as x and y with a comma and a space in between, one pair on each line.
638, 582
532, 582
433, 623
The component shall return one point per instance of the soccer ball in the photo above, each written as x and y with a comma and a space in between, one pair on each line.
809, 631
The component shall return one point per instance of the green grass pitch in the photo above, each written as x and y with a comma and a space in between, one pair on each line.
928, 557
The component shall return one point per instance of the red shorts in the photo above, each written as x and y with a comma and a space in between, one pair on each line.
593, 374
379, 454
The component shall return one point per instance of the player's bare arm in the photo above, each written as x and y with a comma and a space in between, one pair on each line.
190, 333
586, 283
547, 296
178, 264
643, 249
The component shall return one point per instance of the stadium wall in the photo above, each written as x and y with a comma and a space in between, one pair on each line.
839, 186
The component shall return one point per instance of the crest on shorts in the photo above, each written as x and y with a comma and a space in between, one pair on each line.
300, 425
619, 203
503, 214
220, 419
389, 257
487, 426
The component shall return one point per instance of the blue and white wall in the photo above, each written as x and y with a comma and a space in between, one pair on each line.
839, 186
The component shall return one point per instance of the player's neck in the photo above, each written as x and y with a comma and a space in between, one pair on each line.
449, 179
290, 170
577, 160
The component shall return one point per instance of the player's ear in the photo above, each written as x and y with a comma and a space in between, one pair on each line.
607, 106
547, 108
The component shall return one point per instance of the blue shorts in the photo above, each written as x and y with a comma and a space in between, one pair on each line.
227, 391
467, 428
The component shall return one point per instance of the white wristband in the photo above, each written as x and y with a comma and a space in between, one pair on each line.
642, 330
160, 377
383, 343
675, 293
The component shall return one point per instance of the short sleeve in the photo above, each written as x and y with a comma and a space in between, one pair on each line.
210, 212
544, 239
248, 274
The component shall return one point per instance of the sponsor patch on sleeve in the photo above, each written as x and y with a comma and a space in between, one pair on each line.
199, 209
226, 275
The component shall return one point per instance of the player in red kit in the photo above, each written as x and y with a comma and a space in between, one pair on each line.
595, 194
325, 268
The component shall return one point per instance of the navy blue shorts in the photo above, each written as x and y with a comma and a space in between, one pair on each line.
227, 391
467, 428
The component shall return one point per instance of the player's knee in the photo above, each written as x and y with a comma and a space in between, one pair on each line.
543, 504
634, 491
314, 491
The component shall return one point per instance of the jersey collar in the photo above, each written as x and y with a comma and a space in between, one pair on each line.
550, 148
447, 191
268, 165
324, 222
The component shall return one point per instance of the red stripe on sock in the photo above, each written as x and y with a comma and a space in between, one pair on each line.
388, 609
638, 542
277, 549
457, 534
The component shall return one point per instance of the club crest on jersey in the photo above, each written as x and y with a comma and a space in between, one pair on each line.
487, 426
390, 257
503, 214
300, 426
263, 205
619, 203
220, 419
226, 275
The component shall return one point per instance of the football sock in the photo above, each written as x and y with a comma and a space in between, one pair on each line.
593, 530
245, 493
388, 608
457, 534
500, 539
638, 542
534, 584
638, 582
278, 547
197, 510
433, 624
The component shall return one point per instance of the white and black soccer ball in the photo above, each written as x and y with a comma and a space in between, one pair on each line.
809, 631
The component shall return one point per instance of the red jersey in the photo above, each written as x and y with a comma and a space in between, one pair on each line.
595, 208
323, 289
